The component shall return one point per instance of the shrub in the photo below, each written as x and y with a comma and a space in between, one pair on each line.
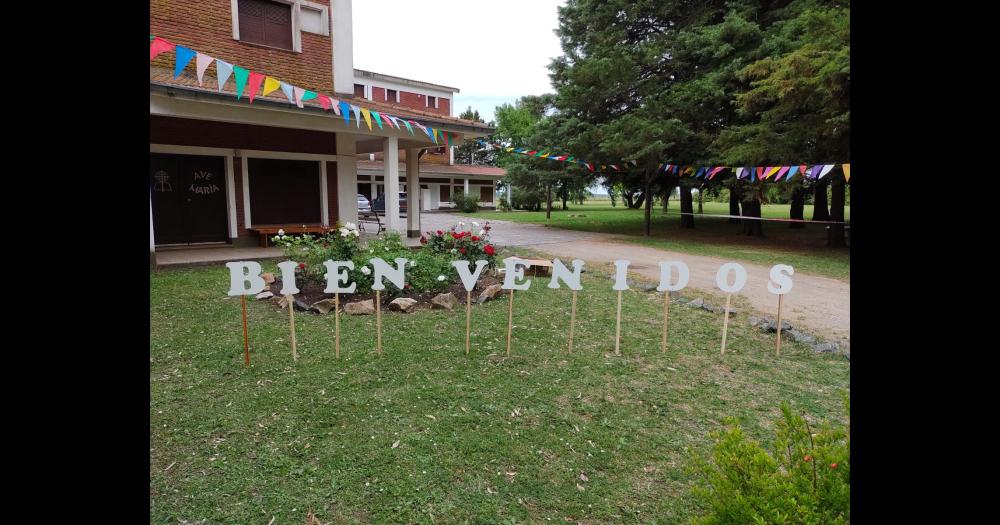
502, 204
527, 200
311, 251
459, 243
466, 202
387, 246
806, 479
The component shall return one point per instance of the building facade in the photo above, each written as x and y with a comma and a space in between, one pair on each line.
227, 159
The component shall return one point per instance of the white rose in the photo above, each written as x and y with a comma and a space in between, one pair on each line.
440, 277
365, 270
453, 250
371, 250
281, 232
482, 233
355, 233
413, 264
475, 224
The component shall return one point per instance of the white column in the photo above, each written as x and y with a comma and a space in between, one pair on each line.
342, 41
231, 197
390, 160
245, 168
324, 198
412, 193
466, 185
152, 243
510, 193
347, 178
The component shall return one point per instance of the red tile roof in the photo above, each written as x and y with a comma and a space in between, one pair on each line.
443, 169
189, 81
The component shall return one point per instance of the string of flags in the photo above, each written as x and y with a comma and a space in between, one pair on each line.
814, 172
252, 84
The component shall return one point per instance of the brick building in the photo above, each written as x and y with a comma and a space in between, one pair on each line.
221, 166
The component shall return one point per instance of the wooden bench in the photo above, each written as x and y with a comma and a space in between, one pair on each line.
270, 230
370, 216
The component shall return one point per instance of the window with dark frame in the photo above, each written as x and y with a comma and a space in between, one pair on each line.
266, 23
432, 101
359, 90
392, 95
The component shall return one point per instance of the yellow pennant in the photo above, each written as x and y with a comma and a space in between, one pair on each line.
270, 84
368, 117
847, 172
774, 170
436, 135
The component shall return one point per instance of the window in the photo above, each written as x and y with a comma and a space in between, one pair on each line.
432, 102
391, 95
266, 23
359, 90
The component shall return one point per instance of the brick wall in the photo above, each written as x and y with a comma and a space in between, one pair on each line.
206, 26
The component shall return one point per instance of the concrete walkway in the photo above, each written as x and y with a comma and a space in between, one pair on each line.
820, 304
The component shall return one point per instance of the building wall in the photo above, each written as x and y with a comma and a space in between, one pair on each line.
207, 26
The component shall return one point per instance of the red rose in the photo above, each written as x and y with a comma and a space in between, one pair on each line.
833, 465
463, 251
423, 240
475, 238
808, 458
489, 249
440, 232
302, 266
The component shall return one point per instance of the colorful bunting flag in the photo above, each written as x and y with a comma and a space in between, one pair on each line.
157, 46
771, 170
270, 84
378, 118
324, 101
368, 117
289, 91
336, 106
781, 173
407, 124
256, 79
825, 170
309, 95
201, 64
847, 172
241, 75
357, 115
345, 111
223, 70
791, 173
182, 58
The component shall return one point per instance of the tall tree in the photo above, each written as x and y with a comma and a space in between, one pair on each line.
474, 151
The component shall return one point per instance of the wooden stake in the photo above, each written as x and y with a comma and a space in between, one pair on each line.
291, 321
780, 296
510, 319
246, 336
468, 320
666, 317
572, 321
378, 320
336, 323
618, 325
725, 323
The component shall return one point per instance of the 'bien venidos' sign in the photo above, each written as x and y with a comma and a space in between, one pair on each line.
246, 279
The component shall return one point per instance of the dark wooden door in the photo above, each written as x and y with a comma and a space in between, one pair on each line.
189, 198
284, 191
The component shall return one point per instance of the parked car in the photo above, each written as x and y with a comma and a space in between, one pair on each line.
379, 204
363, 204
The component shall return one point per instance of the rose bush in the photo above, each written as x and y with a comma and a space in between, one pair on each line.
339, 244
468, 242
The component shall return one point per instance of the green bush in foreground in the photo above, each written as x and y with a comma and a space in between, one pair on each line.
466, 202
807, 478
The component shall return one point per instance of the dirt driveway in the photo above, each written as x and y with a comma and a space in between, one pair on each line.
820, 305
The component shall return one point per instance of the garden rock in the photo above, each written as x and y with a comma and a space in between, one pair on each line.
489, 293
302, 306
264, 295
825, 348
268, 277
801, 337
697, 303
402, 304
360, 308
646, 287
325, 306
771, 326
444, 301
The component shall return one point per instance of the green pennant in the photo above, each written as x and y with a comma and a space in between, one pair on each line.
378, 118
308, 95
241, 80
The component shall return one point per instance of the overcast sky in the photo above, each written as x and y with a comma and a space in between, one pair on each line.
493, 52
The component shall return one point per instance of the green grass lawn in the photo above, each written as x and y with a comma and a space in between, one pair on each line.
804, 249
481, 438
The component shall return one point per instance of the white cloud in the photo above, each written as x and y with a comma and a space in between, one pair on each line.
493, 52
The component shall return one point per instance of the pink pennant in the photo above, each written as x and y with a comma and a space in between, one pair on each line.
323, 101
201, 63
158, 46
781, 173
298, 96
760, 173
254, 83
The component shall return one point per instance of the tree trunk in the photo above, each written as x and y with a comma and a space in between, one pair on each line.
821, 211
700, 191
687, 206
564, 202
797, 209
837, 239
751, 208
734, 204
647, 226
548, 201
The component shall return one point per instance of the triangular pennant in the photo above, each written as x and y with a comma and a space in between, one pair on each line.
804, 170
345, 111
223, 70
715, 171
368, 117
813, 171
847, 172
791, 173
270, 84
760, 172
739, 173
781, 172
825, 170
335, 104
182, 58
357, 115
241, 80
159, 45
433, 133
201, 64
771, 170
309, 95
289, 92
298, 96
256, 79
407, 124
324, 101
